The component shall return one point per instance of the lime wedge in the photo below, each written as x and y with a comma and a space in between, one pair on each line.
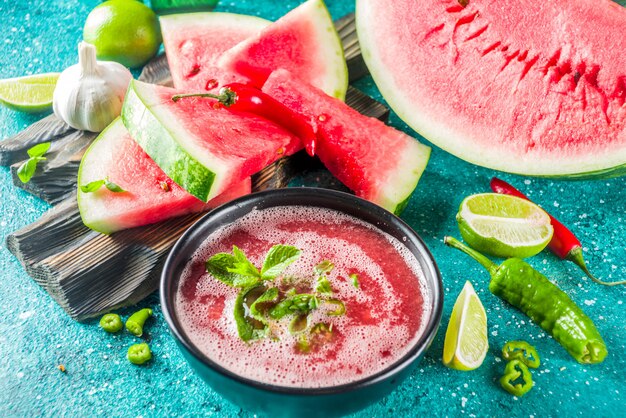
31, 94
466, 343
504, 226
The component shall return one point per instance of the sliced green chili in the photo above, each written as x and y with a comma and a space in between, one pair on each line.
139, 353
135, 323
522, 351
517, 379
111, 323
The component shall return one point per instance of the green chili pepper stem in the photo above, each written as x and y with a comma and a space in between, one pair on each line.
484, 261
576, 257
227, 97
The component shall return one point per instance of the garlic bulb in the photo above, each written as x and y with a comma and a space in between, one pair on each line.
89, 95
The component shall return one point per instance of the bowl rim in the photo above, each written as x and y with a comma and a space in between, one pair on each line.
167, 292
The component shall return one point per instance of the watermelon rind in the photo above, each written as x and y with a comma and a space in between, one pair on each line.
157, 136
335, 81
596, 164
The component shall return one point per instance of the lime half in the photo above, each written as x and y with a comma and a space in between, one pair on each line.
466, 343
504, 226
31, 94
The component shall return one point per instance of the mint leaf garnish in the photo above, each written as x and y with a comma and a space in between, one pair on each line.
277, 260
270, 295
218, 266
323, 286
38, 150
299, 324
27, 169
97, 184
245, 327
242, 265
112, 186
92, 186
355, 280
299, 304
324, 267
340, 307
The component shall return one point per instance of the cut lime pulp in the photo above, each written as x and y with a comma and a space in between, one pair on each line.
30, 94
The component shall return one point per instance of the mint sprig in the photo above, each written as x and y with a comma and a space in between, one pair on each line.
97, 184
277, 260
27, 169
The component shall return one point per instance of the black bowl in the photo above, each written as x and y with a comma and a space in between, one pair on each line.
288, 401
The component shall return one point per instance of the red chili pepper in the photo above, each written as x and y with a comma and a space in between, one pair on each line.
564, 243
243, 98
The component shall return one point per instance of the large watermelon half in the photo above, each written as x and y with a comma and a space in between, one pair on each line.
194, 41
304, 41
533, 87
149, 196
376, 161
205, 149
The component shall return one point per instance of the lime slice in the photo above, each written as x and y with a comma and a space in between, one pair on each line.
504, 226
31, 94
466, 343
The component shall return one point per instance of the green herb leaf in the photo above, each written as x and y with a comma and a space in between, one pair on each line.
218, 266
242, 265
340, 310
355, 280
113, 187
270, 295
277, 260
299, 324
299, 304
92, 186
246, 330
303, 344
324, 267
26, 171
323, 286
38, 150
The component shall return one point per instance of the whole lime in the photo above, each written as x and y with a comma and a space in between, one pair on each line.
126, 31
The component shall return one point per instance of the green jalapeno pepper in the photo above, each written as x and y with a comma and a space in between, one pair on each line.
519, 284
139, 353
111, 323
517, 379
135, 323
522, 351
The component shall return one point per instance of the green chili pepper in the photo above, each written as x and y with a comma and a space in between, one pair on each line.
139, 353
135, 323
111, 323
517, 379
519, 284
522, 351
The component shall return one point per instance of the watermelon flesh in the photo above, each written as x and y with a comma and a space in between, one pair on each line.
304, 41
535, 87
194, 41
377, 162
150, 196
205, 149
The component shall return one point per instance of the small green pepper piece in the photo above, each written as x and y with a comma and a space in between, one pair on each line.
135, 323
517, 379
111, 323
522, 351
139, 353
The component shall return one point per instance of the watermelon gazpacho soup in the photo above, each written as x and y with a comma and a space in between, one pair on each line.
302, 297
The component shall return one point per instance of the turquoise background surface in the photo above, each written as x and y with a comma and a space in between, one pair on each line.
36, 335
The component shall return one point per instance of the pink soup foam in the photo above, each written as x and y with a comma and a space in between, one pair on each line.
384, 315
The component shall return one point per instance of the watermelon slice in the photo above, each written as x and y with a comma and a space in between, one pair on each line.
204, 149
149, 197
533, 87
194, 41
374, 160
304, 41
